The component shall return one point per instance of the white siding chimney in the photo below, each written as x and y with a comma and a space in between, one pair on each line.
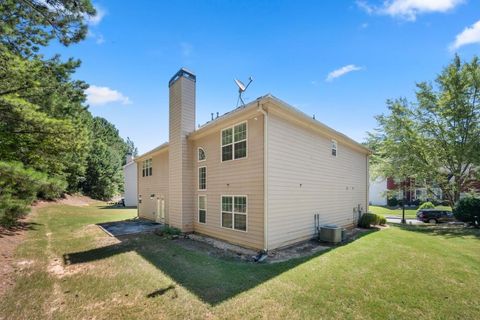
181, 123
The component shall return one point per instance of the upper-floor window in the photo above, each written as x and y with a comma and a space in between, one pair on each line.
334, 148
201, 154
147, 168
202, 178
234, 142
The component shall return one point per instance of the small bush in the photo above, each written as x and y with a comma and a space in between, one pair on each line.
416, 202
171, 231
426, 205
392, 202
467, 208
370, 219
382, 221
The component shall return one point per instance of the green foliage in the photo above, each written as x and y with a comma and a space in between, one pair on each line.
382, 221
392, 202
48, 138
467, 208
20, 186
171, 231
370, 219
436, 139
426, 205
104, 176
27, 25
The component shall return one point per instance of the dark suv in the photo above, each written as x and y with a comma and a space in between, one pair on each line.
435, 215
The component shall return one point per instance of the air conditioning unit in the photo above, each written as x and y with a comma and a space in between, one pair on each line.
330, 233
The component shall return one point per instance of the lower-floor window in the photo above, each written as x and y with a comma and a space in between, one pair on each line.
234, 212
202, 209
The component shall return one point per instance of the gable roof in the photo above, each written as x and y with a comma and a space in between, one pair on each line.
284, 108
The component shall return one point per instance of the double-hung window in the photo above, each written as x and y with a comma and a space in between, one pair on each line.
147, 168
234, 212
202, 178
234, 142
202, 209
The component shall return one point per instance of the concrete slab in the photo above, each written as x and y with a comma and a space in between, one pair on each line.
120, 228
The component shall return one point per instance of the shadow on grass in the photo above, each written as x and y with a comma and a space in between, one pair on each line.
195, 266
444, 230
19, 227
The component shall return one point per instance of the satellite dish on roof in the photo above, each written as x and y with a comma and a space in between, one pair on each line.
241, 89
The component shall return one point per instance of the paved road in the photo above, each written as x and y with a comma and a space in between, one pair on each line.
399, 220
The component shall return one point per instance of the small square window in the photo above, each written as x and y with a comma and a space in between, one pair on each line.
334, 148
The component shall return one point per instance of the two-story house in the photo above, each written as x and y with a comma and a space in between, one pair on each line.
255, 176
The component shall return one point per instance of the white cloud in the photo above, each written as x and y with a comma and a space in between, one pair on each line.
469, 35
408, 9
98, 96
100, 39
342, 71
96, 19
186, 49
97, 37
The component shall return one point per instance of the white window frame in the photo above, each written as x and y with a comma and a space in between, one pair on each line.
198, 208
233, 141
198, 178
198, 154
146, 165
233, 212
334, 146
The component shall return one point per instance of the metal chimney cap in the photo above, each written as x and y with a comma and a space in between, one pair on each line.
183, 72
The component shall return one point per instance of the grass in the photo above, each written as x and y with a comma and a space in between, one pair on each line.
409, 213
397, 273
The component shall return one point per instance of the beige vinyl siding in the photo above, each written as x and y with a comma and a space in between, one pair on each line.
304, 178
234, 177
156, 184
181, 122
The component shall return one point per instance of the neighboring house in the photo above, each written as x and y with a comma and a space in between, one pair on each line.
377, 192
130, 182
255, 176
382, 188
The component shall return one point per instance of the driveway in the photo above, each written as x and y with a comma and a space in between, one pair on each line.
399, 220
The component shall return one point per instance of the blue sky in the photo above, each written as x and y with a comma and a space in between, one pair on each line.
339, 60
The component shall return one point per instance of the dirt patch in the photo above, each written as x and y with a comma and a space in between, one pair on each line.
71, 200
222, 249
9, 240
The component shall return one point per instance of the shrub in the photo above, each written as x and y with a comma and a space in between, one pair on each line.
171, 231
392, 202
382, 221
20, 186
426, 205
52, 188
467, 208
369, 219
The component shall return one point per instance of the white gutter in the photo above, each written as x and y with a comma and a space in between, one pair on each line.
265, 176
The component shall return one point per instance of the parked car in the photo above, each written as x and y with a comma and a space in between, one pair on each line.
435, 216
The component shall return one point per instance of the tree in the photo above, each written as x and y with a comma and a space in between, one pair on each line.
104, 175
27, 25
435, 140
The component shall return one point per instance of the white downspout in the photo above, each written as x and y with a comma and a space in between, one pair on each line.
265, 176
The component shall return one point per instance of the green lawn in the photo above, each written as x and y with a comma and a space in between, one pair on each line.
409, 213
396, 273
